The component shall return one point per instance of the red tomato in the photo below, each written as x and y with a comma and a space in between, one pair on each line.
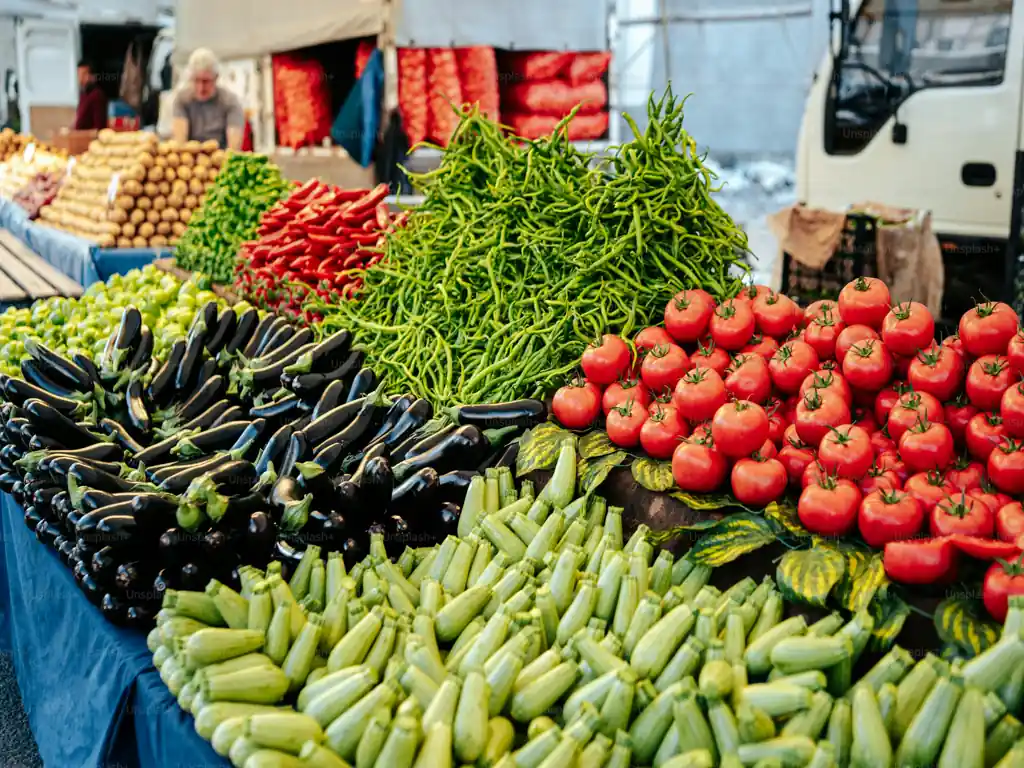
813, 473
846, 452
662, 432
651, 337
988, 328
827, 381
699, 394
1006, 467
794, 361
768, 450
1011, 408
890, 460
822, 332
965, 474
663, 367
887, 398
660, 400
751, 292
702, 431
687, 315
748, 379
868, 365
984, 432
576, 405
865, 301
907, 328
878, 479
732, 325
909, 410
929, 488
762, 346
607, 361
1015, 352
624, 424
987, 379
962, 514
757, 483
927, 445
829, 508
819, 412
795, 460
1002, 580
819, 308
959, 413
850, 335
938, 371
882, 443
710, 356
739, 428
698, 467
954, 343
889, 516
776, 314
993, 498
1010, 521
777, 423
621, 391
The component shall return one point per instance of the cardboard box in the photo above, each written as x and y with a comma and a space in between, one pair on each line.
75, 142
47, 122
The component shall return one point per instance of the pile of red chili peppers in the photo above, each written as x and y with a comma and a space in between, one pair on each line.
318, 240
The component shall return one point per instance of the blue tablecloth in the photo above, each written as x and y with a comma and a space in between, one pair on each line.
14, 219
90, 690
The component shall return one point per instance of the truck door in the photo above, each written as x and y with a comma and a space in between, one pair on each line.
922, 107
47, 80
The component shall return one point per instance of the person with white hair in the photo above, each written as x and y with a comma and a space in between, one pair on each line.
202, 110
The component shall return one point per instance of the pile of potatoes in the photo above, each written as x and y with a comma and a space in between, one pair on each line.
12, 144
132, 191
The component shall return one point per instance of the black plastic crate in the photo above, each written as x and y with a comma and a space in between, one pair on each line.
856, 256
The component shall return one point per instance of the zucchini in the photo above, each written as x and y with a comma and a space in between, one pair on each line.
778, 699
284, 731
373, 738
315, 755
923, 739
910, 695
965, 742
792, 655
225, 735
356, 643
314, 688
298, 662
758, 653
470, 727
334, 700
241, 750
840, 731
753, 724
657, 646
399, 748
343, 734
215, 644
195, 605
444, 705
1001, 739
811, 722
213, 714
257, 685
795, 751
272, 758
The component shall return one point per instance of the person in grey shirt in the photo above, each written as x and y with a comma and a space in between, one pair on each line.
202, 110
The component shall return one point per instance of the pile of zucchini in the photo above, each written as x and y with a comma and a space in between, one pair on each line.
540, 638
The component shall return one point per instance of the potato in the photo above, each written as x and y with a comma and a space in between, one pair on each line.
147, 230
160, 162
106, 241
196, 187
135, 172
217, 158
138, 216
163, 228
128, 230
143, 203
211, 174
140, 242
169, 214
158, 241
185, 215
124, 242
211, 146
179, 188
153, 216
193, 147
178, 229
164, 188
203, 160
125, 202
159, 203
169, 176
146, 160
107, 135
173, 159
187, 160
200, 172
173, 146
175, 201
191, 201
185, 172
156, 173
117, 215
131, 187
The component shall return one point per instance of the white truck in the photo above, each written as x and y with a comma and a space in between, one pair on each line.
918, 104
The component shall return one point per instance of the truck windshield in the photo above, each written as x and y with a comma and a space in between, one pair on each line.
894, 48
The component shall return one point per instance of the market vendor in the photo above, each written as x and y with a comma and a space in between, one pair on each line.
91, 114
203, 110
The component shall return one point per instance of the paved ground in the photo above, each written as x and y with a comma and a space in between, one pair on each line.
17, 747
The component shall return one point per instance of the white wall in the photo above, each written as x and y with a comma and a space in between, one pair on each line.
8, 59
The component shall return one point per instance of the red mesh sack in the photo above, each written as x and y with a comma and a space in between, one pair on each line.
534, 126
444, 94
412, 93
539, 65
301, 101
586, 67
478, 76
554, 97
364, 51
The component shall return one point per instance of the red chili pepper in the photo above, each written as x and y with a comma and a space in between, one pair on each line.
330, 264
305, 191
985, 549
921, 561
383, 216
370, 225
342, 250
279, 236
304, 262
352, 261
401, 219
293, 248
329, 240
369, 201
319, 229
365, 238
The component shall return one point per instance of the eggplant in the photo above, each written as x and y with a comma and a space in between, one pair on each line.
157, 452
417, 443
154, 512
329, 398
346, 498
188, 368
129, 333
206, 372
175, 547
97, 452
329, 353
133, 579
160, 472
269, 373
288, 347
266, 327
376, 486
164, 580
396, 531
286, 551
58, 368
88, 527
410, 420
93, 499
42, 499
394, 412
86, 364
518, 413
357, 432
137, 413
143, 352
452, 486
34, 373
353, 550
362, 384
180, 481
286, 407
327, 530
205, 321
507, 458
298, 447
243, 445
44, 443
79, 568
244, 328
415, 494
238, 510
466, 446
162, 387
222, 332
55, 424
234, 413
47, 532
286, 491
61, 504
234, 478
212, 390
193, 577
87, 476
18, 391
446, 520
369, 454
277, 335
121, 436
333, 422
210, 441
205, 419
216, 545
275, 447
258, 542
308, 384
103, 566
66, 549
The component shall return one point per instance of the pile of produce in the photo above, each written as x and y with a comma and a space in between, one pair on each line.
853, 405
18, 172
82, 326
312, 242
40, 190
539, 636
246, 187
12, 144
523, 253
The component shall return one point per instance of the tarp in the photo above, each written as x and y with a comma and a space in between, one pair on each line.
237, 29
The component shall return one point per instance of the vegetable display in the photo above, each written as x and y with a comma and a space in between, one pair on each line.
13, 143
18, 173
311, 243
489, 294
246, 186
540, 636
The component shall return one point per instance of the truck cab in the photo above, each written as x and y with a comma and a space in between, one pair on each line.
918, 104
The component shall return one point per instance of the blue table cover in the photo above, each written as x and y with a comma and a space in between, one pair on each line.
92, 695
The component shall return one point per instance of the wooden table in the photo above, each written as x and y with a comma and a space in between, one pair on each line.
26, 277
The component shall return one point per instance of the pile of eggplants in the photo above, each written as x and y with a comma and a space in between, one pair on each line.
248, 442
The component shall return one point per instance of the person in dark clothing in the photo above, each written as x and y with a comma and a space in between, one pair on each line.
92, 101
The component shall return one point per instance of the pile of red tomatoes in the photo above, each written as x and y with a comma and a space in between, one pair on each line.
851, 404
